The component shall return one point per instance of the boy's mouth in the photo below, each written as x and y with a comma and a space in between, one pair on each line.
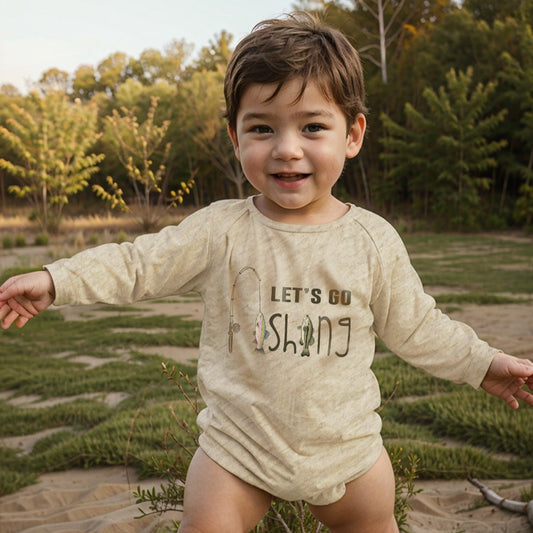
291, 177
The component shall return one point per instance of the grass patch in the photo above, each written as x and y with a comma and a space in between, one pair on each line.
40, 361
426, 413
475, 298
474, 418
451, 430
482, 263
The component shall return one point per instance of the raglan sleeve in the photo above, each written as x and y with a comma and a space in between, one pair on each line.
409, 323
170, 262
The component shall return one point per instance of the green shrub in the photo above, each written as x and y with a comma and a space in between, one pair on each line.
7, 242
41, 239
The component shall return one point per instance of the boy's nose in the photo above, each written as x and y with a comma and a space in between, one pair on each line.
286, 147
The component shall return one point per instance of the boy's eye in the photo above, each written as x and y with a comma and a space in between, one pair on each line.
313, 128
261, 129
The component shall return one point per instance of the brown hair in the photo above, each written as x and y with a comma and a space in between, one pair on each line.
297, 46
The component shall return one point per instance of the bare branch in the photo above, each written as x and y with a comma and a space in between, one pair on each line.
368, 8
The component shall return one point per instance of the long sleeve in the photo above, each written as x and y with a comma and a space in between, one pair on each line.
154, 265
408, 322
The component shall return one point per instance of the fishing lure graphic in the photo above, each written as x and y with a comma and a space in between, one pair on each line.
260, 331
306, 337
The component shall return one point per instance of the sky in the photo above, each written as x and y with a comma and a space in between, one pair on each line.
37, 35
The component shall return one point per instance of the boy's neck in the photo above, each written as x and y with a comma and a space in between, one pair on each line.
329, 210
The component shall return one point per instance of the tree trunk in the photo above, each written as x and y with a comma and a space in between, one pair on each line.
382, 43
365, 182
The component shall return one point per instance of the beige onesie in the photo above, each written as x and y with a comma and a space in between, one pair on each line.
287, 344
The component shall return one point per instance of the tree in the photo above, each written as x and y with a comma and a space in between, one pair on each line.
516, 93
54, 80
490, 10
524, 204
84, 84
380, 23
50, 139
112, 72
153, 66
203, 94
216, 54
8, 89
454, 139
137, 146
378, 12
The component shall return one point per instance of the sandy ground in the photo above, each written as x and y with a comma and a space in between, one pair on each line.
101, 500
81, 501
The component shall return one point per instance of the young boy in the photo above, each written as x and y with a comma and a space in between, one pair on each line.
296, 285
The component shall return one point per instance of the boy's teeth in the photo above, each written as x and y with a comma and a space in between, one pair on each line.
289, 176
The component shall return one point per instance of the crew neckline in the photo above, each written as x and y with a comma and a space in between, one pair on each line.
297, 228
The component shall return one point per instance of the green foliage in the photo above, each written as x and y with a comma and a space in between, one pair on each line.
451, 175
524, 205
7, 242
490, 11
41, 239
201, 95
405, 475
489, 267
415, 49
137, 145
16, 472
474, 418
49, 140
527, 494
89, 430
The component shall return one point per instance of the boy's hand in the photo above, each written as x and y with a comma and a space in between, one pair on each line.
506, 377
22, 297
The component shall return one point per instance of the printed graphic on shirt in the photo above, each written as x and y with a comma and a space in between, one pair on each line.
260, 332
323, 333
307, 338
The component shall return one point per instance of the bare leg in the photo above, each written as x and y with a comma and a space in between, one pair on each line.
367, 506
218, 502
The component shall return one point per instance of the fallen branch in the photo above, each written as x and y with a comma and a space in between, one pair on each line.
504, 503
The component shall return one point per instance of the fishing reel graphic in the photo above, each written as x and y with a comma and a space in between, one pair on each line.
234, 328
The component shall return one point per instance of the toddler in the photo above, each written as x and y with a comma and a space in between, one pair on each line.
296, 285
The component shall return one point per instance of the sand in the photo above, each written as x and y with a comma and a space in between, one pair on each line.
455, 506
101, 499
81, 501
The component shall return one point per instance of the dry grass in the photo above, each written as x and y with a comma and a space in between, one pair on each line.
82, 228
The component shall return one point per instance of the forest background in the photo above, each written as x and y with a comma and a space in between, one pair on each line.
449, 144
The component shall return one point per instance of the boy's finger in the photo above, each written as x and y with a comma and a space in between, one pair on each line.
525, 396
9, 319
21, 321
4, 311
23, 308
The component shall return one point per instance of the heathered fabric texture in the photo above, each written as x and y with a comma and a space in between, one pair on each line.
287, 344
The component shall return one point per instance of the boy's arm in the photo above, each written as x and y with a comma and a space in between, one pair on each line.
409, 323
506, 377
24, 296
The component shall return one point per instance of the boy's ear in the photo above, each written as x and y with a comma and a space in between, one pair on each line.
233, 136
356, 135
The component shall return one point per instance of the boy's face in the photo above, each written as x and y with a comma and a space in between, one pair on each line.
293, 151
